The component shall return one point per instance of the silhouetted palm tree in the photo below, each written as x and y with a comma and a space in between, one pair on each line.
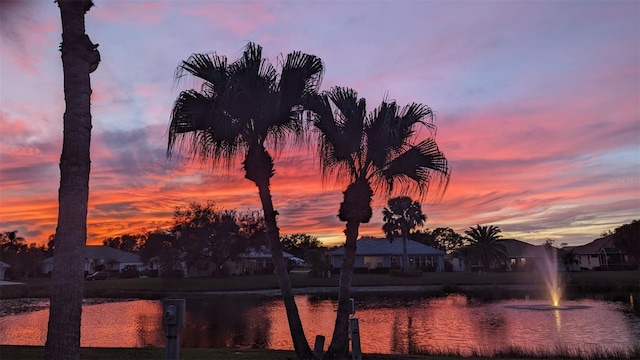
402, 216
80, 57
485, 246
240, 109
569, 259
370, 151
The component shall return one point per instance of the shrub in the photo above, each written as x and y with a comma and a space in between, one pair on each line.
130, 272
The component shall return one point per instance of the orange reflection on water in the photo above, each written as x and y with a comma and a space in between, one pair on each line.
387, 325
114, 324
397, 328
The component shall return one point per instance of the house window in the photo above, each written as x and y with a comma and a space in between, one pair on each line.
372, 262
523, 261
513, 261
421, 261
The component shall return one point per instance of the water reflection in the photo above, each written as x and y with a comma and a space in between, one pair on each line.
388, 325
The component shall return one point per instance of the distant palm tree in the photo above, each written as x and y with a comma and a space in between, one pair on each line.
370, 151
240, 109
402, 216
569, 259
485, 247
80, 57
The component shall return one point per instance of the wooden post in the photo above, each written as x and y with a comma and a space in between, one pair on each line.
318, 348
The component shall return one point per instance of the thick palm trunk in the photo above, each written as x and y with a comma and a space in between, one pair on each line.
355, 209
259, 169
67, 279
339, 347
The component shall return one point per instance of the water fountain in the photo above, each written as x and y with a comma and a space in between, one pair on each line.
551, 275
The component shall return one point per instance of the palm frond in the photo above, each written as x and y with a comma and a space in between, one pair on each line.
299, 81
208, 67
390, 128
338, 117
239, 105
194, 130
417, 168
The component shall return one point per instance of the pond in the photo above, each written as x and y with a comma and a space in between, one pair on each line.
388, 324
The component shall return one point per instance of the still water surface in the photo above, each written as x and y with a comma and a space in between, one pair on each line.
388, 325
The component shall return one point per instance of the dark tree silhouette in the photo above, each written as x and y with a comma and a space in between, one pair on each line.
485, 246
204, 232
447, 240
300, 244
627, 239
126, 242
402, 216
240, 109
80, 57
370, 151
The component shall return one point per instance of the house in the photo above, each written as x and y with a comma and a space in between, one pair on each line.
249, 263
521, 256
380, 254
105, 257
600, 253
3, 268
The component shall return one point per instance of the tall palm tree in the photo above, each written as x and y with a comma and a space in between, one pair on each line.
241, 108
402, 216
485, 246
80, 57
370, 151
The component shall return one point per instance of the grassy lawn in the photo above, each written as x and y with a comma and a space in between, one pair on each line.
584, 281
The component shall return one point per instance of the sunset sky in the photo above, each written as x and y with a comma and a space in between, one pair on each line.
537, 103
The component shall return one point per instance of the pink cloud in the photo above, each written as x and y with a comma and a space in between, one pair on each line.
131, 13
238, 17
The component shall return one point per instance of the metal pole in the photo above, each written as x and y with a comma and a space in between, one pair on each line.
173, 322
354, 330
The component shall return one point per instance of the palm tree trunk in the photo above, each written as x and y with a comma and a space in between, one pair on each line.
339, 347
67, 280
300, 344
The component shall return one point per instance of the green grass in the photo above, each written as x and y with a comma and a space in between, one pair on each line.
586, 281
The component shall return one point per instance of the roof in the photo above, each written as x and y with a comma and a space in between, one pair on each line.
4, 265
517, 248
261, 254
596, 245
106, 253
381, 246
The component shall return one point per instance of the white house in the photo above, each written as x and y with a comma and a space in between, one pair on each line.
3, 267
600, 253
374, 253
112, 259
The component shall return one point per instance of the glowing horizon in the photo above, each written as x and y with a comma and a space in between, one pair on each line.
536, 103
